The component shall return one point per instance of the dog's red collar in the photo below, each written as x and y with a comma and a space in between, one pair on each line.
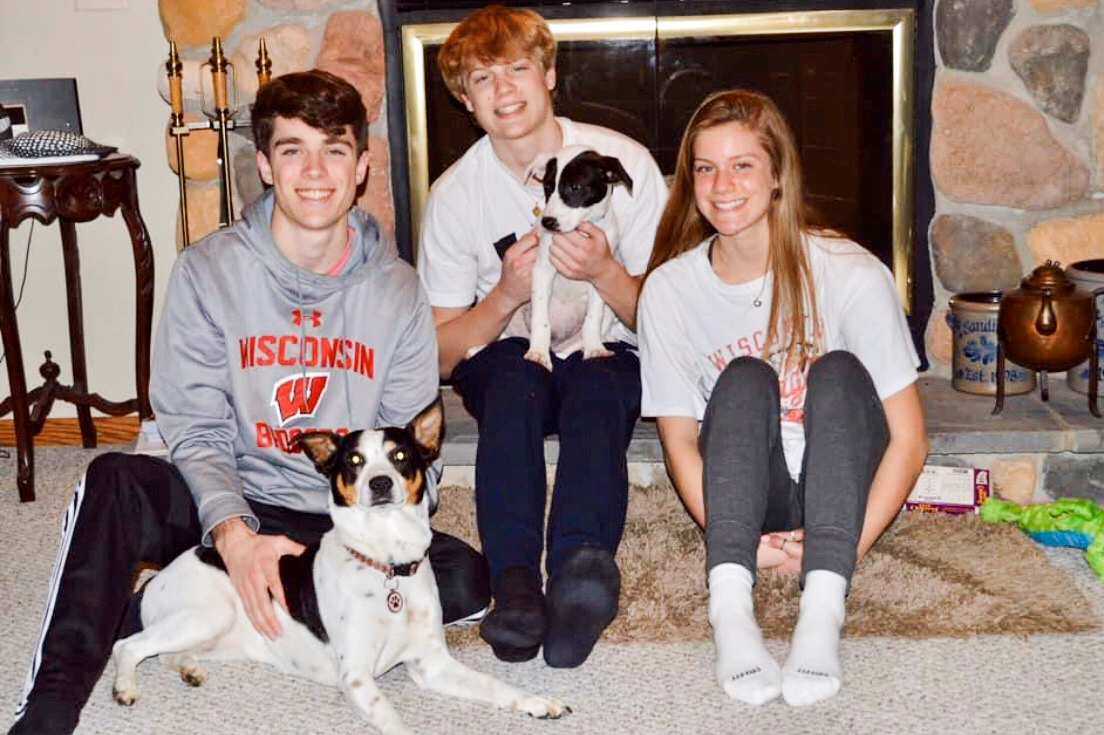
389, 570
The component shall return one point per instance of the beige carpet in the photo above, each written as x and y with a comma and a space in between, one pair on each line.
1047, 684
929, 576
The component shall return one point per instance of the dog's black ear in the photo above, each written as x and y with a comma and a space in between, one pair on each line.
614, 173
320, 446
548, 178
428, 429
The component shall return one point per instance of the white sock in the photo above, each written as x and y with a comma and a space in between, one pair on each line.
745, 669
812, 671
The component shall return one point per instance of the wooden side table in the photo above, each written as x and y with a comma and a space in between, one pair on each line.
70, 193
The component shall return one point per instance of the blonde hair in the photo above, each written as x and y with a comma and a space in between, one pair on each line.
793, 311
494, 34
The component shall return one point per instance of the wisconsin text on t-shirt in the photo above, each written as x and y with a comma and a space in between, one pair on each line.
791, 378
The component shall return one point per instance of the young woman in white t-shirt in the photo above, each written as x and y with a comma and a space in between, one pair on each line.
778, 364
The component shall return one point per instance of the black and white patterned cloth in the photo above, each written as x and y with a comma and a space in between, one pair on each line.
51, 144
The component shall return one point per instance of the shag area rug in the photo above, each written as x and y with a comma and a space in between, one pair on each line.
929, 576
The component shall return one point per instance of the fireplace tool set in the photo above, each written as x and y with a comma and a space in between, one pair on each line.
1050, 324
222, 117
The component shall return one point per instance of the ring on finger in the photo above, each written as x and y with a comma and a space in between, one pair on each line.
793, 536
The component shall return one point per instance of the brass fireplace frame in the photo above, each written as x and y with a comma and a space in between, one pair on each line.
900, 22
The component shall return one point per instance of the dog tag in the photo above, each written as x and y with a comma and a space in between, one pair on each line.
536, 210
394, 601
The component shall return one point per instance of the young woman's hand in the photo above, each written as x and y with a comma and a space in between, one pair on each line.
781, 551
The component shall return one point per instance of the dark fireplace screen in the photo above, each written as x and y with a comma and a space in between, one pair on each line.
838, 76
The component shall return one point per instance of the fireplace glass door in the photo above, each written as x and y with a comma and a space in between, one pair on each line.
843, 79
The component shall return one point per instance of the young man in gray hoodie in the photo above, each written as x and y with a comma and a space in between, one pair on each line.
301, 316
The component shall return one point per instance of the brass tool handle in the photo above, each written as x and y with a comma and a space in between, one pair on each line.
264, 65
176, 79
218, 72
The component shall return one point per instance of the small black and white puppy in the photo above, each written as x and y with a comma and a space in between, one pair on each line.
362, 600
578, 187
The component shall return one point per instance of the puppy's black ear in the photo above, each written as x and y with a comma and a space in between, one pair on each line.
614, 173
320, 446
428, 429
548, 178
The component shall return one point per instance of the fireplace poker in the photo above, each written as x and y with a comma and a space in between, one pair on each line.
178, 130
219, 66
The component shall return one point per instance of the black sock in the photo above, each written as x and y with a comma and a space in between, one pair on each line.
582, 601
516, 624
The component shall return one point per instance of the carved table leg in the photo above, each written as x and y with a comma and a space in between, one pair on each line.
143, 287
17, 381
71, 258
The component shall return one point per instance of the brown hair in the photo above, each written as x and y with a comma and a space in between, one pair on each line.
682, 226
494, 34
320, 99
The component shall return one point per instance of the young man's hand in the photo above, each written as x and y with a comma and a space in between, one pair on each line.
252, 561
582, 254
517, 269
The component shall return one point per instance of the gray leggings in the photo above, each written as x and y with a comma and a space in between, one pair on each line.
748, 490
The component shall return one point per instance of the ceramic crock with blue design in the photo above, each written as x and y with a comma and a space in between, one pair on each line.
973, 322
1089, 275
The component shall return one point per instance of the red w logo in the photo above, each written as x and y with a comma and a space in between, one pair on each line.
298, 316
299, 395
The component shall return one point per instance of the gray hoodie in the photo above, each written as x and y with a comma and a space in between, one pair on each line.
252, 350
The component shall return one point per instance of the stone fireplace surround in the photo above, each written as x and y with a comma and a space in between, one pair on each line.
1010, 115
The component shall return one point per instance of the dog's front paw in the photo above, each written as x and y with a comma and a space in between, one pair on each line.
593, 352
543, 708
126, 695
541, 358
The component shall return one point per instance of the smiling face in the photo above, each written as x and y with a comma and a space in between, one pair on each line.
510, 100
315, 176
734, 183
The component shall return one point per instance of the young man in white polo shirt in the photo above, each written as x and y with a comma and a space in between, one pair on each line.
476, 256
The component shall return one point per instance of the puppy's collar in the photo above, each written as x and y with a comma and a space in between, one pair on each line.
389, 570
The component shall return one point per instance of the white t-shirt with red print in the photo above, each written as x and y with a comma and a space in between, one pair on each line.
691, 325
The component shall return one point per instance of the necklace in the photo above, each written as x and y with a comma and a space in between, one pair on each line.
758, 300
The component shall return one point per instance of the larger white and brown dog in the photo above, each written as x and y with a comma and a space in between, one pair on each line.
362, 601
578, 186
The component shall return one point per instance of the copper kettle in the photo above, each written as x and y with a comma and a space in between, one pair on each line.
1047, 324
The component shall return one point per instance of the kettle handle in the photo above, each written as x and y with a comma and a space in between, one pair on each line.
1046, 322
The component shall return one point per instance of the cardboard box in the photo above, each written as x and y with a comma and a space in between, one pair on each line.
949, 490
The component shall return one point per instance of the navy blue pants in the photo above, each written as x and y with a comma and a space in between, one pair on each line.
134, 510
747, 486
592, 405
